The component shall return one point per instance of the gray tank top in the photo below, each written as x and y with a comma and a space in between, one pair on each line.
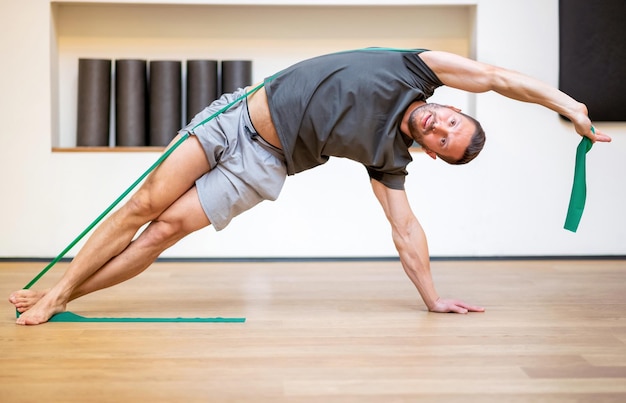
350, 105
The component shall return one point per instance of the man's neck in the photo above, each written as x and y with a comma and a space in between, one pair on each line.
404, 125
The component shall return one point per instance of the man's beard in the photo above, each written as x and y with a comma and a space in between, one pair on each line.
414, 129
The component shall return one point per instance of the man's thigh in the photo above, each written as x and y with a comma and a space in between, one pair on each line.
176, 175
186, 213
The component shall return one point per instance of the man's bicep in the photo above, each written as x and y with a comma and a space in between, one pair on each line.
460, 72
394, 202
391, 180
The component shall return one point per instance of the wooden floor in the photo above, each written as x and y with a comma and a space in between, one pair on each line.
554, 331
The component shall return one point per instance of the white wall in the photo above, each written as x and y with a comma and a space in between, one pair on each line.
511, 201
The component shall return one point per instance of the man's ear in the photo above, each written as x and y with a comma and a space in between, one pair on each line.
430, 153
454, 108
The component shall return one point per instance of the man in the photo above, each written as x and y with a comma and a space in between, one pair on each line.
367, 105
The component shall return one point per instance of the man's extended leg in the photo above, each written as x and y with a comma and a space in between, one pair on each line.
180, 219
173, 178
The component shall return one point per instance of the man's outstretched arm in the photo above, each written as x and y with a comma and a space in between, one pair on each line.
410, 241
472, 76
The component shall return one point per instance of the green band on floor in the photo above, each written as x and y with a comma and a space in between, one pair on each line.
579, 188
72, 317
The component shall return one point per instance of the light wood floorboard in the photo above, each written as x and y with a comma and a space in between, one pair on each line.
554, 331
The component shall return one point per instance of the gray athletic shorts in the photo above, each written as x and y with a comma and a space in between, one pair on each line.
245, 169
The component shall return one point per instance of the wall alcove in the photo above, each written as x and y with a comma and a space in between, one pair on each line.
272, 36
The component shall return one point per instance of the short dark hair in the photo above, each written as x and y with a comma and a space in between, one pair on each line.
475, 146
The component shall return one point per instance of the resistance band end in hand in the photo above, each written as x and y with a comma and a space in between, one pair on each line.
579, 187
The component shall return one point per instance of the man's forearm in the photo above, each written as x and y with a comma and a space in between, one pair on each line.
410, 241
415, 259
523, 88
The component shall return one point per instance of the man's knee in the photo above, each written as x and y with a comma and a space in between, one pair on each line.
141, 207
163, 233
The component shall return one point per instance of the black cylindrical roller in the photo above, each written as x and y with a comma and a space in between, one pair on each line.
202, 85
165, 101
236, 74
130, 103
94, 100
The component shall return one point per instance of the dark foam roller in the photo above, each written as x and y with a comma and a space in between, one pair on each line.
165, 101
131, 117
236, 74
202, 85
94, 100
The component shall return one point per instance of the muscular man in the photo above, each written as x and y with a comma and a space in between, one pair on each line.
367, 105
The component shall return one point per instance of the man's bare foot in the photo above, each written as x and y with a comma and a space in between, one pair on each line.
25, 299
42, 310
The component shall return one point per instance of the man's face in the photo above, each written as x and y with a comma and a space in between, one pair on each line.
441, 130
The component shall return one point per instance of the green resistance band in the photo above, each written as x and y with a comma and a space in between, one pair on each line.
579, 187
71, 317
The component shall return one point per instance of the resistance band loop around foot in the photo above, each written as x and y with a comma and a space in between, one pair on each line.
579, 187
71, 317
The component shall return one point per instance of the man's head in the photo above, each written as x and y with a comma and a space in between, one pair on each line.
445, 132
